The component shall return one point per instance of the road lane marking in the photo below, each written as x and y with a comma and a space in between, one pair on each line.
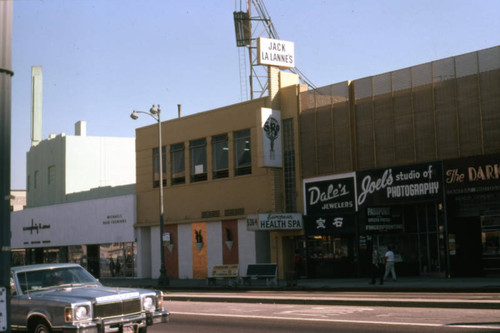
370, 322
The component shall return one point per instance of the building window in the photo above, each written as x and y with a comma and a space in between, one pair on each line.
51, 174
289, 166
242, 153
220, 153
178, 165
36, 180
156, 167
198, 153
28, 184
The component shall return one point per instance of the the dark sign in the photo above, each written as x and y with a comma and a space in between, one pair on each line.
379, 219
330, 196
399, 184
472, 174
330, 224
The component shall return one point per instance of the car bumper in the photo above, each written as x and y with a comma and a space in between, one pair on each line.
115, 325
157, 317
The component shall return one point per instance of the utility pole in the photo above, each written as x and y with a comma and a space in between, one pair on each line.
5, 133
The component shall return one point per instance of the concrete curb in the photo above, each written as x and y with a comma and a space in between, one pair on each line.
448, 304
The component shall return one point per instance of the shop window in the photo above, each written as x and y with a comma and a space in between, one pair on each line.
178, 164
198, 154
156, 167
242, 153
118, 259
220, 155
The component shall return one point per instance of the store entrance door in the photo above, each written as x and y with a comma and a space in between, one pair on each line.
430, 238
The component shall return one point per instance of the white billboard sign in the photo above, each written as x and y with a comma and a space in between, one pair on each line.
275, 52
107, 220
271, 137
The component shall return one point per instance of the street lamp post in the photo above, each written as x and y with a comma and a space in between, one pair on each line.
155, 114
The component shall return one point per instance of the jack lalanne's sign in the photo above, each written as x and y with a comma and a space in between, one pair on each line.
274, 52
274, 221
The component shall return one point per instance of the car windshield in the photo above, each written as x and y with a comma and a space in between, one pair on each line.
49, 278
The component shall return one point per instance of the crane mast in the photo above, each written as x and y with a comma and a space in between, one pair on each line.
251, 21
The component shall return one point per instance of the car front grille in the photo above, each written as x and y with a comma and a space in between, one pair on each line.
114, 309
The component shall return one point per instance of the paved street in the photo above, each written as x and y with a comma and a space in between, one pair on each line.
392, 299
245, 317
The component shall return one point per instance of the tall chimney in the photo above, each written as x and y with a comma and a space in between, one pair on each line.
36, 104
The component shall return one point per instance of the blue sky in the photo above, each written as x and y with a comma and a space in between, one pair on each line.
103, 58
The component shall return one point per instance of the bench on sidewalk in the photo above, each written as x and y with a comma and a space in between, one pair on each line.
266, 272
228, 273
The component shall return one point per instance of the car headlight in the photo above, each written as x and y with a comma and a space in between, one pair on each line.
149, 303
78, 313
81, 312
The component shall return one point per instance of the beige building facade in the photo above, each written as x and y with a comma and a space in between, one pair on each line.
216, 173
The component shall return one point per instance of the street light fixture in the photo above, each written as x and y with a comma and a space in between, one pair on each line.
155, 114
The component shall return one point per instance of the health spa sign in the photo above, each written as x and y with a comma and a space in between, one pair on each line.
399, 184
274, 221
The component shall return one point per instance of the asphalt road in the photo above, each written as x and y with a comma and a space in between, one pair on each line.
477, 300
224, 317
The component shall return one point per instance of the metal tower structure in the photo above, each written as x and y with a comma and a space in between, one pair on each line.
251, 21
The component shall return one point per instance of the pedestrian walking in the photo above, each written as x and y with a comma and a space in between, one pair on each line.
389, 264
376, 264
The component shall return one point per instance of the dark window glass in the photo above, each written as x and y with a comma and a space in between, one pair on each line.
242, 153
178, 165
198, 153
156, 167
220, 153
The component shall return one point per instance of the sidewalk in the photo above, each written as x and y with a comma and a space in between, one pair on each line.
403, 284
429, 292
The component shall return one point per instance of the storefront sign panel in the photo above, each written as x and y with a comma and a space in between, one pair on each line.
274, 221
108, 220
472, 174
330, 224
330, 195
399, 184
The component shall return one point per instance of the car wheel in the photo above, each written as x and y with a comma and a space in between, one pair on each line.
41, 327
143, 329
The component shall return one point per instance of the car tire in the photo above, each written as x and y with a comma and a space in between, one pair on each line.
143, 329
41, 327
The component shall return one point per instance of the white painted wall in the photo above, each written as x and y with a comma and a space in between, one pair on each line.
93, 162
154, 240
144, 257
214, 245
246, 246
185, 251
81, 163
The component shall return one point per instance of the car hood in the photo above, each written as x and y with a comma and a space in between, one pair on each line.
99, 294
